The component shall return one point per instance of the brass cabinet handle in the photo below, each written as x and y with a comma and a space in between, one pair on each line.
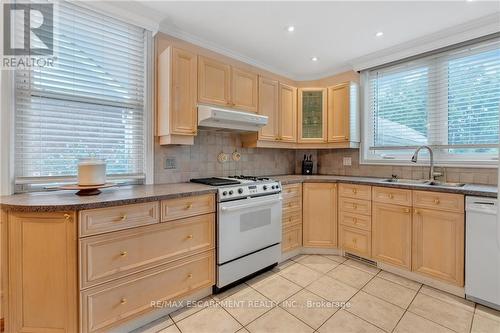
391, 196
354, 240
67, 216
407, 210
416, 211
189, 206
123, 253
123, 300
436, 201
190, 237
123, 217
354, 191
190, 276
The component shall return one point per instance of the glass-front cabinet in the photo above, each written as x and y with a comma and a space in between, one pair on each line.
312, 125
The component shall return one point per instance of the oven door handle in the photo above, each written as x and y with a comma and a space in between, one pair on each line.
256, 204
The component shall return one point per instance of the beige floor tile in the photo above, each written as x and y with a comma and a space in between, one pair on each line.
299, 257
278, 321
376, 311
331, 289
487, 312
352, 276
449, 298
170, 329
246, 305
300, 274
319, 263
482, 324
243, 330
229, 292
390, 292
261, 277
211, 319
192, 308
344, 322
310, 308
400, 280
446, 314
283, 265
411, 323
335, 258
276, 288
155, 326
361, 266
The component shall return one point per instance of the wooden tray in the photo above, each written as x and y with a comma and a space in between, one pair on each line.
86, 190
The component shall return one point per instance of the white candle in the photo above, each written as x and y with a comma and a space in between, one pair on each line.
91, 171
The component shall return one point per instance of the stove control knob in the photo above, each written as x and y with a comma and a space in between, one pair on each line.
231, 192
264, 187
272, 187
240, 190
224, 193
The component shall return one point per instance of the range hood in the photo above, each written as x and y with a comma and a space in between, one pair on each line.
212, 117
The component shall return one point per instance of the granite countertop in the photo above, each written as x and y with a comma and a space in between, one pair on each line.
67, 200
115, 196
468, 189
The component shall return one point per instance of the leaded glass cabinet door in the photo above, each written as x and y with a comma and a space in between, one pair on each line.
312, 115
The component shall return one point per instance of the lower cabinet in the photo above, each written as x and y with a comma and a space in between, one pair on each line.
391, 234
292, 238
320, 215
355, 241
292, 217
438, 245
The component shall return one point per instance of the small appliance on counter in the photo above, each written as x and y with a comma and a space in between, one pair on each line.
307, 165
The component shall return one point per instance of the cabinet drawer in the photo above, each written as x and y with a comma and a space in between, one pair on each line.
363, 192
114, 255
355, 206
392, 196
115, 302
292, 218
356, 241
439, 201
292, 238
101, 220
174, 209
355, 220
291, 191
292, 205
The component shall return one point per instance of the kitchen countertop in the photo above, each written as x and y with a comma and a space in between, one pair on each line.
67, 200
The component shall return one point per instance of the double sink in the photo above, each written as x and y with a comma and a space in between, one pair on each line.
422, 182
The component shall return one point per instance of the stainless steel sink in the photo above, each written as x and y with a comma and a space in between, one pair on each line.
406, 181
436, 183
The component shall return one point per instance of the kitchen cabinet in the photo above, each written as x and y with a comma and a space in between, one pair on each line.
312, 115
438, 244
177, 95
269, 106
320, 215
288, 113
227, 86
343, 113
292, 217
392, 234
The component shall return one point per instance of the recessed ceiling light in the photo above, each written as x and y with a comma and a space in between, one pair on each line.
379, 34
290, 28
314, 58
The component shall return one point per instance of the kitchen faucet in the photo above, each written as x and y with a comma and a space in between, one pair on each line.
414, 158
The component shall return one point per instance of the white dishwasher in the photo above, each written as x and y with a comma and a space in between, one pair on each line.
482, 251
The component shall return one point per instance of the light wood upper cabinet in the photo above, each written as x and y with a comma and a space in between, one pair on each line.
343, 113
177, 95
312, 115
438, 245
244, 90
214, 82
288, 113
268, 106
42, 272
391, 234
320, 215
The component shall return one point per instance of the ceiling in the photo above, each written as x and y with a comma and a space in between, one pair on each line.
334, 32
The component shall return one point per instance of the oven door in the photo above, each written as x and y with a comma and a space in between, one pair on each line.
248, 225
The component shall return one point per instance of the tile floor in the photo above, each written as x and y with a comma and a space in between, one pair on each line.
327, 293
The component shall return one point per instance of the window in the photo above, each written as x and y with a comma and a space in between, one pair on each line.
449, 101
92, 103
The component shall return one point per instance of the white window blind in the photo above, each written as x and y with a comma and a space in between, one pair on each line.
91, 104
449, 100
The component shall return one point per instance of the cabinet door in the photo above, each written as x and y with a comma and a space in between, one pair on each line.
320, 215
338, 113
288, 113
244, 91
438, 245
391, 234
214, 80
42, 272
268, 106
183, 112
312, 124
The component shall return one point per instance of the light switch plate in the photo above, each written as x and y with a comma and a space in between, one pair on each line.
347, 161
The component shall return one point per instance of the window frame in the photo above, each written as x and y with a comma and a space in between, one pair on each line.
441, 157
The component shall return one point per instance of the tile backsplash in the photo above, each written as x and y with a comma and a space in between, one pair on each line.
181, 163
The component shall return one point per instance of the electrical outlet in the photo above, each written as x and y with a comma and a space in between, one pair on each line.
170, 163
347, 161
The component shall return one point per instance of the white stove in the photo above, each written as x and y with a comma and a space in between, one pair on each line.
248, 226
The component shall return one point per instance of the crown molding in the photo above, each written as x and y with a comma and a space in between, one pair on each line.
460, 33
